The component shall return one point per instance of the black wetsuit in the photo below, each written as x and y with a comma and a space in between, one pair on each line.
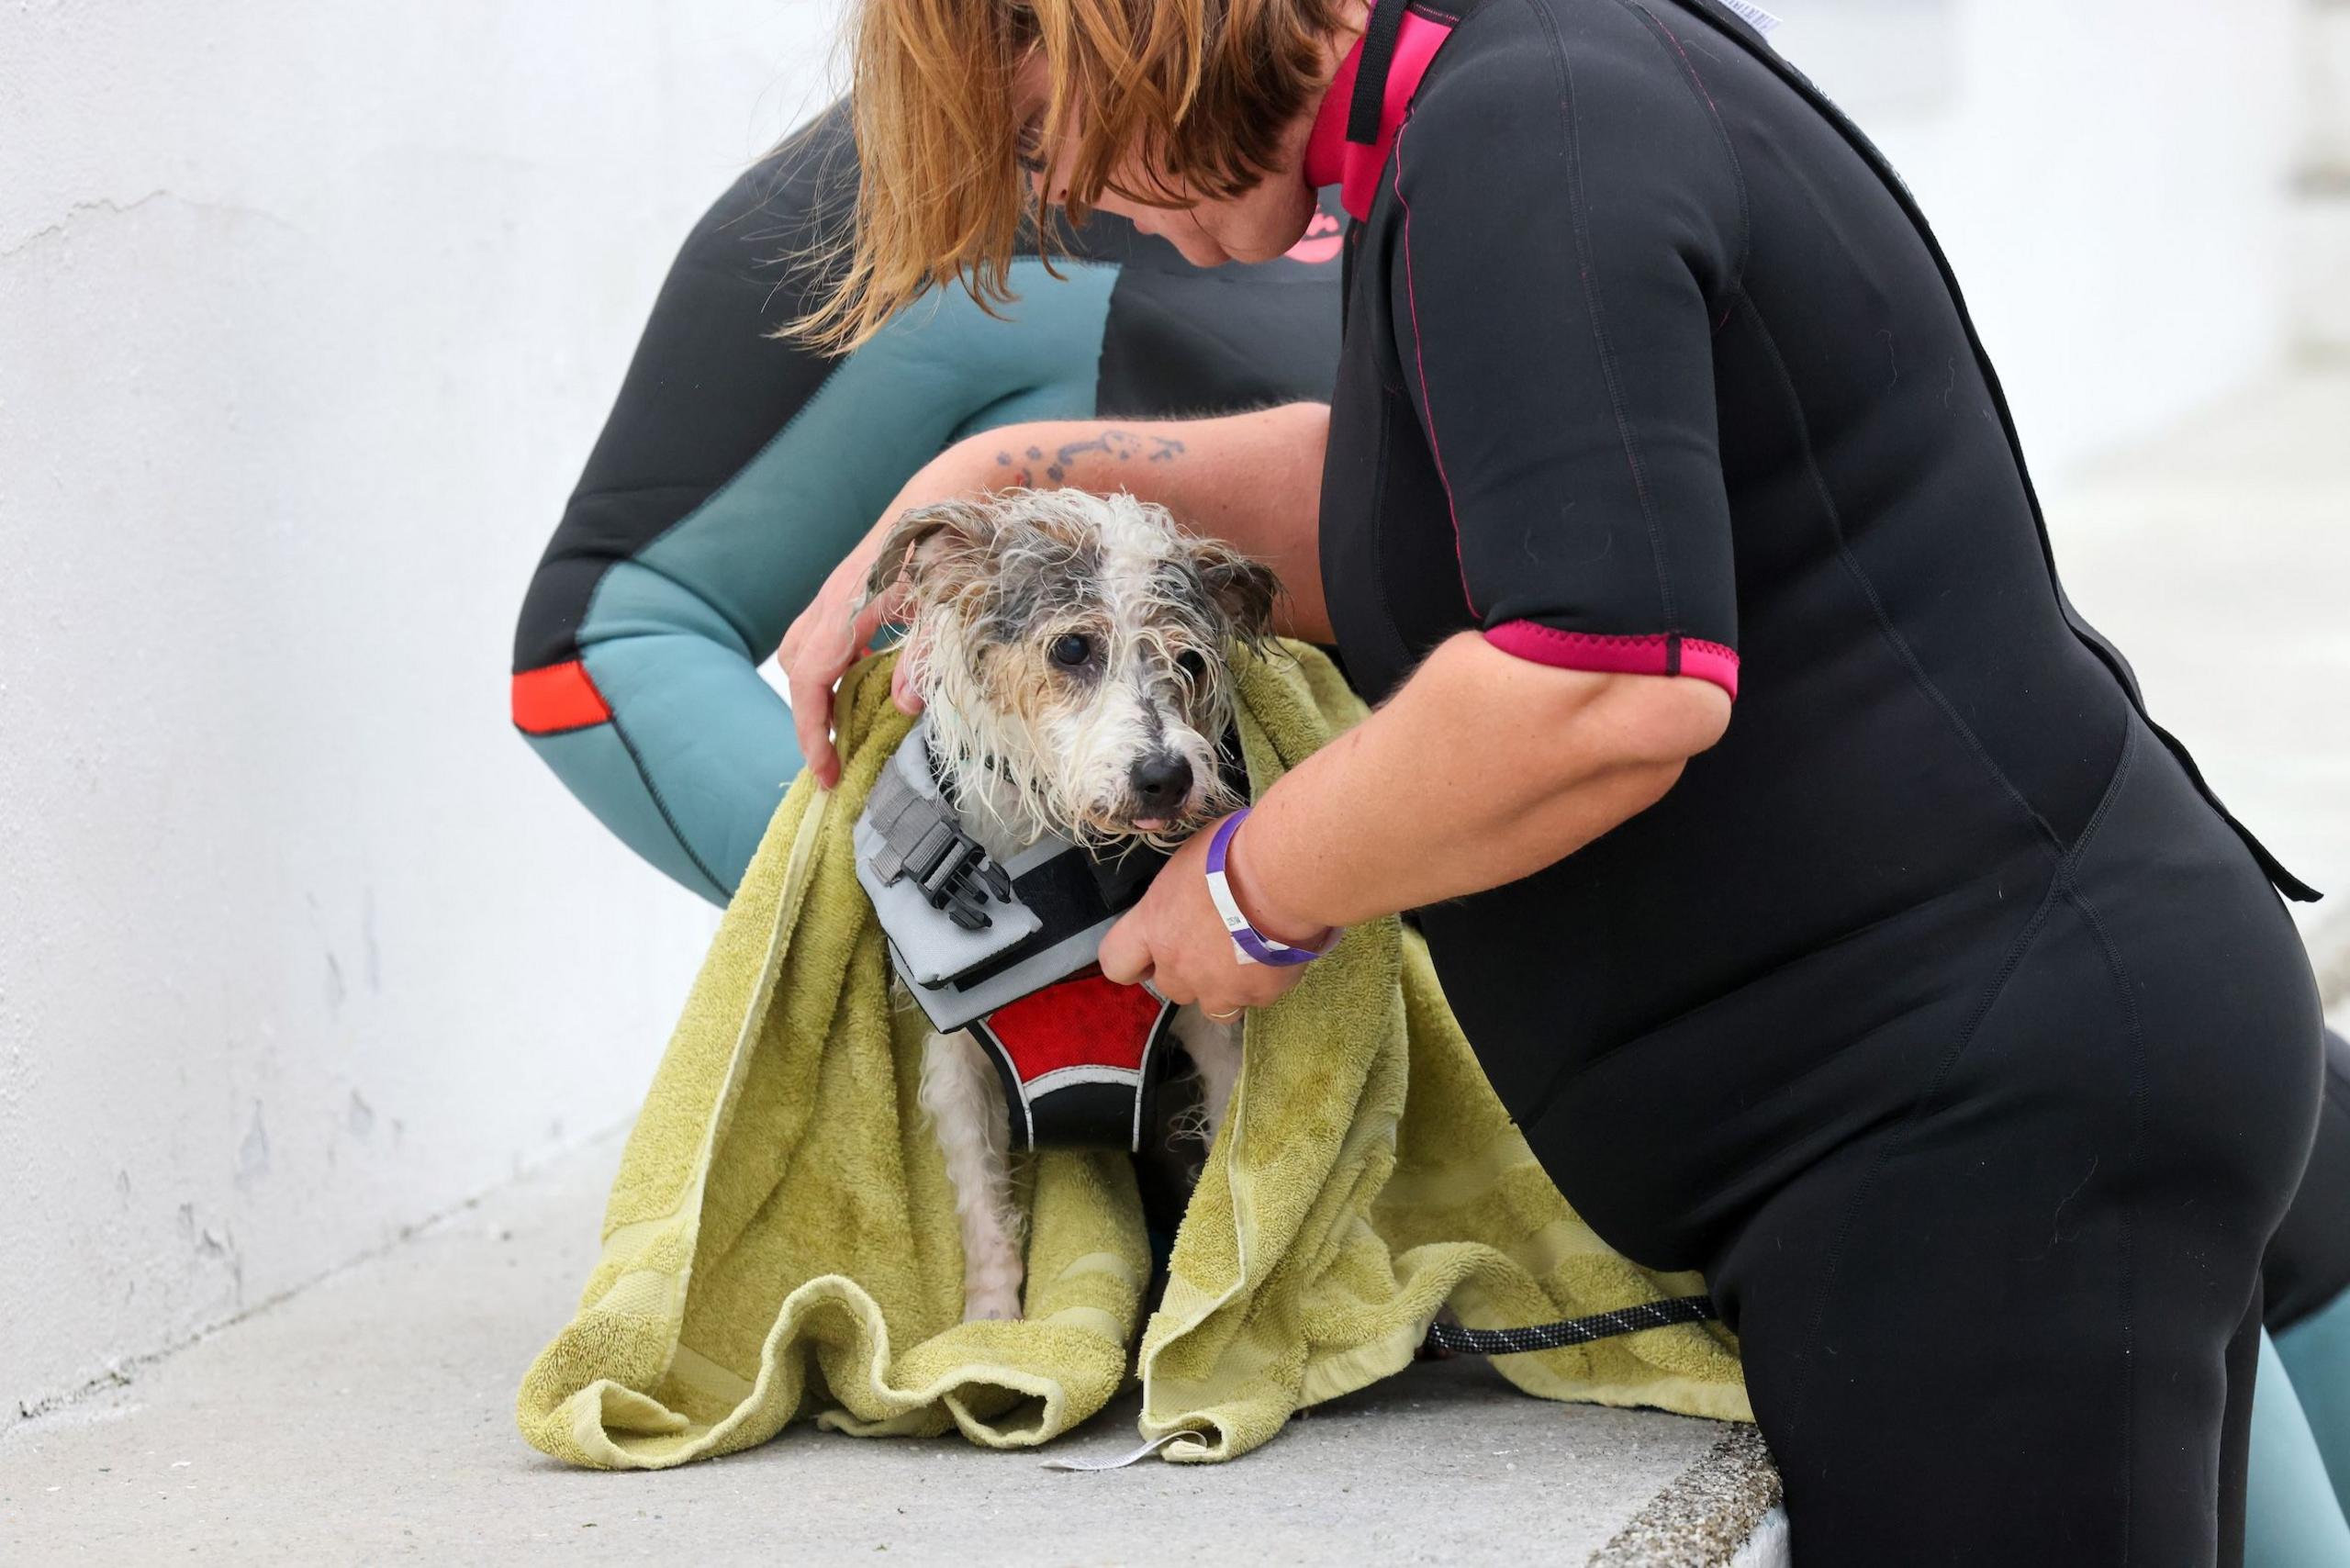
1937, 1014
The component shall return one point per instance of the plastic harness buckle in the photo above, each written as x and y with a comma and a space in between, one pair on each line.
921, 838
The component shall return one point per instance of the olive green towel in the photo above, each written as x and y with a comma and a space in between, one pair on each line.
780, 1242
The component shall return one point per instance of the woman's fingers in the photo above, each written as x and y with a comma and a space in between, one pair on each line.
824, 663
902, 689
1213, 983
821, 644
884, 608
1124, 957
812, 722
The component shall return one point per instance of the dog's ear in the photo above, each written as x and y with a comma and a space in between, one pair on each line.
923, 537
1245, 588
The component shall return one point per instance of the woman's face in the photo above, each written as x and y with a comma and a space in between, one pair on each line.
1254, 226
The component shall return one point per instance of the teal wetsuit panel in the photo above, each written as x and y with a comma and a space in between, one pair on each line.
2292, 1518
791, 514
594, 763
673, 638
2316, 1355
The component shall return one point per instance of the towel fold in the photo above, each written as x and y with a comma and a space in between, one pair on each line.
780, 1242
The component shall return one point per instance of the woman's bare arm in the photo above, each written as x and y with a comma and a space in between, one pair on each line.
1482, 769
1254, 480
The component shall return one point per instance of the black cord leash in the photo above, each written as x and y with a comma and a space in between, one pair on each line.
1575, 1330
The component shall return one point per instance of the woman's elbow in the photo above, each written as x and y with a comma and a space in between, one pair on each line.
1668, 720
1672, 718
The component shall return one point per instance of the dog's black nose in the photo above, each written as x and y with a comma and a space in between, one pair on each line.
1161, 783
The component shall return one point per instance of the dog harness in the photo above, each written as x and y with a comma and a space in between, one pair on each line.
1007, 951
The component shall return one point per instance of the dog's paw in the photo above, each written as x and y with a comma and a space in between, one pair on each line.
991, 1306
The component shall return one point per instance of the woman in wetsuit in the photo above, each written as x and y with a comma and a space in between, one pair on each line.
1926, 1001
738, 467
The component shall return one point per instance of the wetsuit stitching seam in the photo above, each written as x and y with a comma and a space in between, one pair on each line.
1890, 632
1695, 84
2120, 974
1571, 137
1420, 363
1386, 619
2013, 960
2017, 951
709, 498
1623, 639
644, 776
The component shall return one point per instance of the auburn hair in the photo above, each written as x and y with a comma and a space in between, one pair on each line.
1163, 102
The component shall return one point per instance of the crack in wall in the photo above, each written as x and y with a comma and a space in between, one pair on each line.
108, 207
104, 206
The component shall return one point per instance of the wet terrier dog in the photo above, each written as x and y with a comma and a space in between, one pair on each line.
1072, 653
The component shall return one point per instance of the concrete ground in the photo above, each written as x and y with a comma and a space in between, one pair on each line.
368, 1417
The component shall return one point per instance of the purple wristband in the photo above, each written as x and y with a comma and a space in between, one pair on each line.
1256, 947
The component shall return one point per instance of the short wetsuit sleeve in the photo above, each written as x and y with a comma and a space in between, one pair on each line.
1572, 229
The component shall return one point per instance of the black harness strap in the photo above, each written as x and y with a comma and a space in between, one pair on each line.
1573, 1330
1367, 107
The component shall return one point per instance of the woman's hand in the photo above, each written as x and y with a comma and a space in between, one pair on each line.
839, 624
1175, 939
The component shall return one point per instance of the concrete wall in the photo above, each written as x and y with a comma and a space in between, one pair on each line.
308, 314
2321, 234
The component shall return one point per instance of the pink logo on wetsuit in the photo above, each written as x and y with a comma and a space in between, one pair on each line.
1322, 242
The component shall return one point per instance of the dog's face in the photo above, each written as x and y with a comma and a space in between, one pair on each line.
1076, 646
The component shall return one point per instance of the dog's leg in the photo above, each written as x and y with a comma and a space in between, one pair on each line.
1214, 1049
964, 1103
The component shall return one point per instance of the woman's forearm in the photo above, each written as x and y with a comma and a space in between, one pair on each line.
1254, 480
1482, 769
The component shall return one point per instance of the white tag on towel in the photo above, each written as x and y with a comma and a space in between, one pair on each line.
1145, 1452
1754, 17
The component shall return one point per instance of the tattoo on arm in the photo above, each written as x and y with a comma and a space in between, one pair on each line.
1123, 445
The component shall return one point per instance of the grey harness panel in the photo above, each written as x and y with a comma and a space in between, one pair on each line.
923, 872
960, 934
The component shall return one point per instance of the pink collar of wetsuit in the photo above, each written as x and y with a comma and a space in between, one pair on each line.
1353, 167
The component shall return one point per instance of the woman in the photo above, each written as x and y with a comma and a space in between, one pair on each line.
1927, 1004
738, 466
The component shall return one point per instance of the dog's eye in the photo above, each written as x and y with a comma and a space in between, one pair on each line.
1071, 649
1193, 663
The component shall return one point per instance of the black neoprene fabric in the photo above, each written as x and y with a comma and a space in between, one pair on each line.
1937, 1014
